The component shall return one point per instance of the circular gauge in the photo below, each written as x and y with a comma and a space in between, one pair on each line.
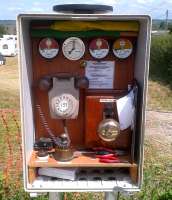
108, 130
48, 48
73, 48
122, 48
99, 48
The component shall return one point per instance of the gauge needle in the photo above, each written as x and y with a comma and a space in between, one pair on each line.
73, 47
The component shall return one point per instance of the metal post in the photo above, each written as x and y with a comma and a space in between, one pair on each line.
111, 195
166, 20
55, 196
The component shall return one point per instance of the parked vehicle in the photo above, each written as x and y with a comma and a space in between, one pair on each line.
8, 45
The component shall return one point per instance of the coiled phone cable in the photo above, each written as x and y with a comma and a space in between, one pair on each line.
57, 140
45, 124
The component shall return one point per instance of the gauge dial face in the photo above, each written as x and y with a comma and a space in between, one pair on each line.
73, 48
48, 48
122, 48
99, 48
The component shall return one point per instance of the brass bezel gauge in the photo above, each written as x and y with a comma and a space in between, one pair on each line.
108, 130
48, 48
73, 48
122, 48
99, 48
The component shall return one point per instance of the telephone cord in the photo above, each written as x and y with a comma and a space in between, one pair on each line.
56, 140
45, 124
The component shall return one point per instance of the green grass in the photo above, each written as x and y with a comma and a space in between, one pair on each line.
160, 59
157, 167
157, 173
9, 99
159, 96
9, 84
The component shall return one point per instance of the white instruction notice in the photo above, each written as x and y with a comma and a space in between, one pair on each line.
100, 74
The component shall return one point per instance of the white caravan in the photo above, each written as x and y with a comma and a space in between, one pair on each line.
8, 45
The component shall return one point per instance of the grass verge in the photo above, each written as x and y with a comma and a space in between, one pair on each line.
159, 96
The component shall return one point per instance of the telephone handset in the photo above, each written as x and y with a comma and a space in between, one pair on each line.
63, 94
64, 99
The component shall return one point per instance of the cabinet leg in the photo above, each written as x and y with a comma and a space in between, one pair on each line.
55, 196
111, 195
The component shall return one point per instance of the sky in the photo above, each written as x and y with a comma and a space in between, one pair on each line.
9, 9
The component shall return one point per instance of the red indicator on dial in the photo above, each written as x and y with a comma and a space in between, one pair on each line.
99, 48
48, 48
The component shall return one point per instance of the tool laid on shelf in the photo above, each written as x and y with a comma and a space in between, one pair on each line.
105, 155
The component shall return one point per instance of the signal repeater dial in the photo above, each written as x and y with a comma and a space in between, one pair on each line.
99, 48
122, 48
48, 48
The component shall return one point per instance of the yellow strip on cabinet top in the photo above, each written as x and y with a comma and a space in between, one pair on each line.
95, 25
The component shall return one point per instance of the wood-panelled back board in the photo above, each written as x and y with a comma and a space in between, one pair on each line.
124, 75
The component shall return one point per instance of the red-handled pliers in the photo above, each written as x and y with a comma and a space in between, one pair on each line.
106, 155
108, 158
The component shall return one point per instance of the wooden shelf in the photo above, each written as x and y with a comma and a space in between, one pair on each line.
81, 161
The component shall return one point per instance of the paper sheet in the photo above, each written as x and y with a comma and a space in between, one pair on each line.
100, 74
126, 110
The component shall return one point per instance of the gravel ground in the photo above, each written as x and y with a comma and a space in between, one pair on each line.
159, 127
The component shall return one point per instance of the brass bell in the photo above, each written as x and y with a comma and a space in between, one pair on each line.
108, 130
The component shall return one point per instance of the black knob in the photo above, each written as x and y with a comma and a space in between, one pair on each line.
83, 8
82, 82
45, 83
109, 110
